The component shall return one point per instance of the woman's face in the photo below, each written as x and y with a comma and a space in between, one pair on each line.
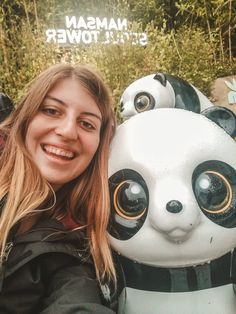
64, 135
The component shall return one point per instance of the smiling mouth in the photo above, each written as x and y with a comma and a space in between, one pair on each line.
58, 152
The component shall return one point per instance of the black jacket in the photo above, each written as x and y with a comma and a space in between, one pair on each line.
48, 271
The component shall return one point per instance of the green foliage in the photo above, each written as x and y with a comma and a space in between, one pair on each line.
197, 48
217, 18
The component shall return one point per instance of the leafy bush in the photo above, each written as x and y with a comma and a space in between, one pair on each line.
189, 52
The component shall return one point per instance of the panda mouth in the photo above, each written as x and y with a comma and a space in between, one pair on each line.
178, 236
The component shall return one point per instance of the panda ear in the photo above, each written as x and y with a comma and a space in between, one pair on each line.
222, 116
161, 78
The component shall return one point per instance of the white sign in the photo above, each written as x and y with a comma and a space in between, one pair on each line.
93, 30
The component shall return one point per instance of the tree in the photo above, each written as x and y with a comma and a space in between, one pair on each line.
191, 39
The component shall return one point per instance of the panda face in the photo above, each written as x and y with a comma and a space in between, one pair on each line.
146, 94
173, 189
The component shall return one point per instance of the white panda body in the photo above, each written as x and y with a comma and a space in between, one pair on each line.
166, 157
219, 300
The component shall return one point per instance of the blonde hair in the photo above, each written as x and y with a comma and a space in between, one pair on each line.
24, 192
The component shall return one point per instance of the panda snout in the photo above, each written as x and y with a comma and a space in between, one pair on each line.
174, 206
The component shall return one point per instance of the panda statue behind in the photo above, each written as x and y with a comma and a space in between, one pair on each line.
173, 212
161, 91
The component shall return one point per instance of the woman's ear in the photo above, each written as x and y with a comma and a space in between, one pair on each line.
222, 116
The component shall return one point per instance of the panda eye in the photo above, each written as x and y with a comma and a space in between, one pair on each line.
213, 192
144, 102
129, 203
130, 200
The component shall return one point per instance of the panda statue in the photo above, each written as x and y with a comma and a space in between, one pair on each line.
173, 212
161, 91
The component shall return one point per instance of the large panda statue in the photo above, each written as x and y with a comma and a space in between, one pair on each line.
172, 176
161, 90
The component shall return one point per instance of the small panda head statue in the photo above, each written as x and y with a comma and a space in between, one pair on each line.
172, 177
161, 90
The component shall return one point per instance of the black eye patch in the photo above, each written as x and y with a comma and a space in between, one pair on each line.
144, 102
129, 203
214, 186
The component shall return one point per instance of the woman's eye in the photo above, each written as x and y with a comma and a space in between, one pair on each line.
50, 111
87, 125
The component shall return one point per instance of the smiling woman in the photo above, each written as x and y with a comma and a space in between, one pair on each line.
54, 195
70, 136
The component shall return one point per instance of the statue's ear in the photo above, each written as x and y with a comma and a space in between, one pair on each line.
6, 106
222, 116
161, 78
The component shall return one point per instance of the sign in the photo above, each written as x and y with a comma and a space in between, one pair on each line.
88, 30
223, 92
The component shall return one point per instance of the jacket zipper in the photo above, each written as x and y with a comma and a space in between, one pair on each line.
4, 258
6, 252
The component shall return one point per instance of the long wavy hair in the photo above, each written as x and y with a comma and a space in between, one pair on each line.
25, 193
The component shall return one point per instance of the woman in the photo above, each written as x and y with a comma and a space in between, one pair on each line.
54, 195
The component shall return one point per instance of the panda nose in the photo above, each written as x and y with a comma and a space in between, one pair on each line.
174, 206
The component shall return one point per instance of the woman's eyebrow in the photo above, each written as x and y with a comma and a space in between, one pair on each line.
64, 104
92, 114
55, 99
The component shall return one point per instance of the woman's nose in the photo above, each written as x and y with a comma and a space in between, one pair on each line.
67, 128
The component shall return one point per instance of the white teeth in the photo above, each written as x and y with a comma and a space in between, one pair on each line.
58, 151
